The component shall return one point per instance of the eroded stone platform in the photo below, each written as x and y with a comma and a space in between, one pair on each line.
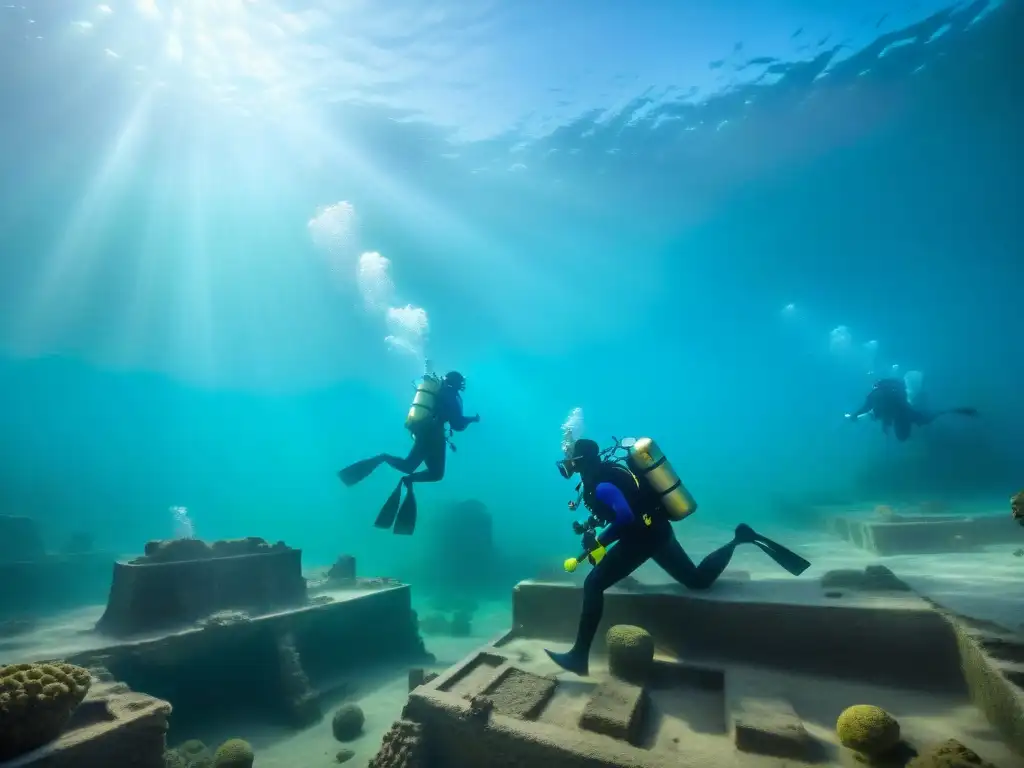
271, 668
113, 726
797, 626
896, 534
756, 677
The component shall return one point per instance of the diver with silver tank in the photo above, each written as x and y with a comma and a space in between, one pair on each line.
435, 412
635, 500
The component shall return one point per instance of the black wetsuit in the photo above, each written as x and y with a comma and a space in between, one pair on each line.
430, 440
648, 535
887, 402
641, 530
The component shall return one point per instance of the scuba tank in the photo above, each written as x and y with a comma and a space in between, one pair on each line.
424, 404
648, 464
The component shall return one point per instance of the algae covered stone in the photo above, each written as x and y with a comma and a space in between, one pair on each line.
867, 729
347, 723
234, 753
36, 702
949, 754
630, 652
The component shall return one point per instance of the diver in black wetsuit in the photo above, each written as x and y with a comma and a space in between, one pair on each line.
888, 403
430, 441
640, 530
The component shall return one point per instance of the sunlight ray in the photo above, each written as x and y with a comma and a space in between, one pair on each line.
195, 325
68, 268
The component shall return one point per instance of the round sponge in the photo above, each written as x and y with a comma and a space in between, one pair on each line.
867, 729
234, 753
630, 652
347, 723
36, 702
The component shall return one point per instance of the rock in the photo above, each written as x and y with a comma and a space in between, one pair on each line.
343, 570
874, 578
867, 729
630, 652
347, 723
20, 541
344, 755
615, 709
949, 754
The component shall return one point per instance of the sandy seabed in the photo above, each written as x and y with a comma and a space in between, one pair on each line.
985, 585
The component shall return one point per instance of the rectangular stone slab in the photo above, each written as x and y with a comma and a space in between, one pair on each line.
906, 535
764, 723
615, 709
518, 693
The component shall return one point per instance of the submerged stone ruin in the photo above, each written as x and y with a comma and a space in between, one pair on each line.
730, 684
179, 582
229, 629
47, 581
888, 532
96, 722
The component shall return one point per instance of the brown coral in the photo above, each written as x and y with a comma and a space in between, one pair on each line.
36, 702
402, 747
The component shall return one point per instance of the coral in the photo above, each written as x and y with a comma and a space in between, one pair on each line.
234, 753
195, 754
867, 729
173, 759
402, 747
949, 754
36, 702
347, 723
630, 652
1017, 507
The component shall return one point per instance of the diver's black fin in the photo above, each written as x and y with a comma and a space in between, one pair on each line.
386, 518
787, 558
405, 523
359, 471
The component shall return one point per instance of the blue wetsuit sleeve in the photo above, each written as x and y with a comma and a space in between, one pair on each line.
456, 418
611, 496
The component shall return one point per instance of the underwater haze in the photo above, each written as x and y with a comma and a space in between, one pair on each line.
233, 232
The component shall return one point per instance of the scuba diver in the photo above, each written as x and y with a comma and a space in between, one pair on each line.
635, 502
889, 403
437, 402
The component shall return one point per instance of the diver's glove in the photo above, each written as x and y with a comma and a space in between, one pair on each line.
570, 564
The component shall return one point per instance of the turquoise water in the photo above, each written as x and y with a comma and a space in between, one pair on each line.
692, 224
